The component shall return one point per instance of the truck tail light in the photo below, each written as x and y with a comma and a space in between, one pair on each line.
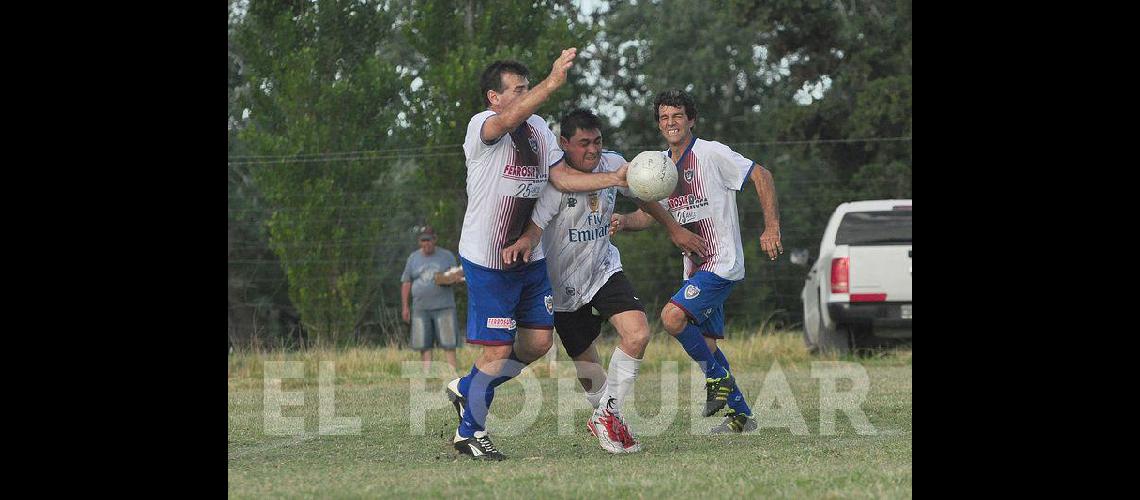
839, 272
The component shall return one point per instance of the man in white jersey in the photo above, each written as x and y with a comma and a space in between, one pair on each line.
704, 201
511, 155
587, 279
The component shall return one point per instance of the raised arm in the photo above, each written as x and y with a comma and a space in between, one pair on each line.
633, 221
766, 190
510, 118
566, 179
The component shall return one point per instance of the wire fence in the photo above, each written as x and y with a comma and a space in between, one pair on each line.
265, 279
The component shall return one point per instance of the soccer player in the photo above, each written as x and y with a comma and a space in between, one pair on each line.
710, 174
511, 154
587, 279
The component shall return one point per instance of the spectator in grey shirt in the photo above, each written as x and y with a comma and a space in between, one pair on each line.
432, 314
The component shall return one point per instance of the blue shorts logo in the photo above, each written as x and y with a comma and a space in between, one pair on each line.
501, 323
549, 300
692, 291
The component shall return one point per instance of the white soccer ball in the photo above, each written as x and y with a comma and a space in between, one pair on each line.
652, 176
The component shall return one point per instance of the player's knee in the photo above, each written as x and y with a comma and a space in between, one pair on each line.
638, 338
535, 347
584, 357
543, 344
673, 319
495, 353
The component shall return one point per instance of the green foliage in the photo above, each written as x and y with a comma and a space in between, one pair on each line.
320, 78
398, 81
744, 62
318, 87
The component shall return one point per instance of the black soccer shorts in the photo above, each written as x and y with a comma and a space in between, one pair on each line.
578, 329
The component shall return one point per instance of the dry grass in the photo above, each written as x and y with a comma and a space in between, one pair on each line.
362, 364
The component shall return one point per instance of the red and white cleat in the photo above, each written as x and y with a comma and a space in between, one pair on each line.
613, 434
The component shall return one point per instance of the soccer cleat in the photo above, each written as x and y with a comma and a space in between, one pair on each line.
478, 446
735, 422
456, 398
717, 391
613, 434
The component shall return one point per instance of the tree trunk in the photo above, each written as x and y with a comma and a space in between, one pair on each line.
469, 22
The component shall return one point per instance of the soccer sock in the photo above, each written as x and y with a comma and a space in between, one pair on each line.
478, 382
595, 398
694, 344
736, 399
623, 371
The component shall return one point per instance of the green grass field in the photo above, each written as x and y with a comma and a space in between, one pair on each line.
390, 456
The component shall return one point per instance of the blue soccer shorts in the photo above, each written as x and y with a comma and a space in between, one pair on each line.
702, 298
500, 302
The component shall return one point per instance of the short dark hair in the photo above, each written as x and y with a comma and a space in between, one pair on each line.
677, 98
492, 78
579, 119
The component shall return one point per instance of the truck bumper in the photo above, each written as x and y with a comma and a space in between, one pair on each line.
884, 316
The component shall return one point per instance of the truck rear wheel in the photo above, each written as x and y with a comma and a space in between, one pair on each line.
834, 340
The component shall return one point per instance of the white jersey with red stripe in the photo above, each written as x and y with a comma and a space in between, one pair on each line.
576, 237
709, 175
504, 179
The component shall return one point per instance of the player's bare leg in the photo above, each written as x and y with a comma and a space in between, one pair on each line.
531, 344
633, 328
591, 375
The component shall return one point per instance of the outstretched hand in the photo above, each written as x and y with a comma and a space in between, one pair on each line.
519, 251
689, 242
562, 65
617, 223
621, 173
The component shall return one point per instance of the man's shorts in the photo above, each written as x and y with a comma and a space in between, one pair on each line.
578, 329
434, 327
500, 302
702, 298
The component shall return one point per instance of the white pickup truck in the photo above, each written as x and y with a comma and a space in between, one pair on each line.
858, 292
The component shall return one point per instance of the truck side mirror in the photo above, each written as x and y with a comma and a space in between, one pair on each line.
800, 257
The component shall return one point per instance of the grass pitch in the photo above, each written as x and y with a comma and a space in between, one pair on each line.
392, 453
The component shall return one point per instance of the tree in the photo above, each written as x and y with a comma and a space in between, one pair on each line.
775, 80
322, 83
393, 81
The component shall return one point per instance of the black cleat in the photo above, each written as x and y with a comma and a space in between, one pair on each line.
717, 391
456, 398
478, 446
735, 422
